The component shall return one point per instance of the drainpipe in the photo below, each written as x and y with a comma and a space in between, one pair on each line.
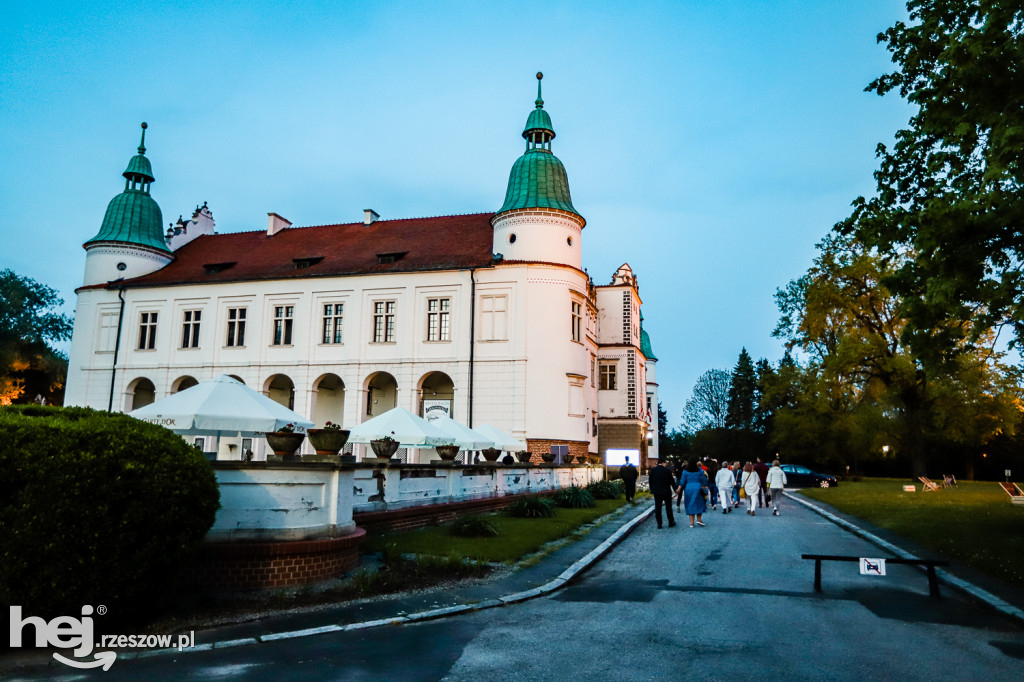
117, 347
472, 330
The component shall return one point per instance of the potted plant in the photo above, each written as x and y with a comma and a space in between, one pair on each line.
285, 441
548, 457
328, 440
491, 454
524, 456
447, 452
384, 447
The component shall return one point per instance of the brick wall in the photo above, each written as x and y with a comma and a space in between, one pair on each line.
263, 565
536, 446
626, 434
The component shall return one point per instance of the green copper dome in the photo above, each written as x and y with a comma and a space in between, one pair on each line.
538, 179
645, 342
132, 216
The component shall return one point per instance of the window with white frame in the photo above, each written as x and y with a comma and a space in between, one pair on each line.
577, 321
383, 321
334, 313
283, 325
608, 376
236, 327
147, 331
106, 333
494, 318
439, 319
191, 320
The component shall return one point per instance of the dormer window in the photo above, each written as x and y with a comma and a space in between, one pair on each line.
214, 268
386, 258
302, 263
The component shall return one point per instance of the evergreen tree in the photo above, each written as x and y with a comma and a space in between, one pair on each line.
763, 411
742, 394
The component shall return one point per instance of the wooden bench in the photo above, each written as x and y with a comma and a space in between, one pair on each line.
933, 581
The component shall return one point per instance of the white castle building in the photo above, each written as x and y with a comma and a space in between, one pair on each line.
488, 316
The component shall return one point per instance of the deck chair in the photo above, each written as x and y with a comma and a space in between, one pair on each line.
929, 484
949, 481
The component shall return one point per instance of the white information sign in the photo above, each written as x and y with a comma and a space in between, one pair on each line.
432, 409
872, 566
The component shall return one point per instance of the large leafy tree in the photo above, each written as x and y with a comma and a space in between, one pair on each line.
864, 385
29, 323
950, 191
709, 404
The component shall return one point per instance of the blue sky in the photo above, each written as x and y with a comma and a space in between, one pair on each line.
710, 144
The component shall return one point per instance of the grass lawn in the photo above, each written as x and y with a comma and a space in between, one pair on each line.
973, 523
516, 537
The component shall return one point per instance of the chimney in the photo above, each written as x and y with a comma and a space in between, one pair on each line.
275, 224
370, 216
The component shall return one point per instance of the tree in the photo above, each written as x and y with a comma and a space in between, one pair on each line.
763, 411
949, 192
864, 385
709, 404
28, 325
662, 423
742, 389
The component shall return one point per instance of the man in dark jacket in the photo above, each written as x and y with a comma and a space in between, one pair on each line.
663, 485
762, 473
629, 474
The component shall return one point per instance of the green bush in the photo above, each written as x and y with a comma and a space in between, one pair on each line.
474, 527
606, 490
96, 508
533, 508
574, 497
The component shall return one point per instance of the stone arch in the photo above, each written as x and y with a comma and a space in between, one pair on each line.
436, 386
328, 400
183, 382
381, 394
141, 392
281, 389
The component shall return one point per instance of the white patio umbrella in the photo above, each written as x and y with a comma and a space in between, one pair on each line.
502, 440
399, 423
461, 435
220, 407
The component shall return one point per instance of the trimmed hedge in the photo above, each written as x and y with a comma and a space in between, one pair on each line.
96, 508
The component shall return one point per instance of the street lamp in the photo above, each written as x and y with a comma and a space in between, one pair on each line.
885, 450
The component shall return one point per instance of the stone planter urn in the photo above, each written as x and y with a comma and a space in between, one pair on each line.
447, 452
491, 454
384, 449
523, 456
548, 457
285, 443
327, 441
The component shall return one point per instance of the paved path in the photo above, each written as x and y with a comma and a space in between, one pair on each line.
731, 601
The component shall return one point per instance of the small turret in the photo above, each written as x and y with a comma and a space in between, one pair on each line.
130, 241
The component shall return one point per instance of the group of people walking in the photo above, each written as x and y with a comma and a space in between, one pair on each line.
700, 484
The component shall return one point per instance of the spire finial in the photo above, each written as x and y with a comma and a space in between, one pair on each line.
142, 144
539, 102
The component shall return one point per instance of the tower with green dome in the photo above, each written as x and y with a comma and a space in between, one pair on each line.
130, 242
537, 221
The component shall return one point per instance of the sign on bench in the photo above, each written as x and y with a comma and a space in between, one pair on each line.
877, 567
872, 566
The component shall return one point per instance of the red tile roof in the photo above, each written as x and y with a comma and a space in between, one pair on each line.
442, 243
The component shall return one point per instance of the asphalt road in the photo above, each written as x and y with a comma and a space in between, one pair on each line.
731, 601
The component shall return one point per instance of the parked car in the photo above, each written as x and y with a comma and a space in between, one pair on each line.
802, 477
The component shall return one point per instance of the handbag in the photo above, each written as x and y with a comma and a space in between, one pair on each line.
704, 493
767, 497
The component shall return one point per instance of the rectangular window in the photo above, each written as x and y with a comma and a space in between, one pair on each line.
607, 377
384, 322
236, 327
106, 333
147, 331
439, 319
593, 369
333, 314
577, 321
190, 328
283, 325
493, 318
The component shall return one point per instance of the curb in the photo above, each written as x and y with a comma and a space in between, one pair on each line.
945, 576
563, 578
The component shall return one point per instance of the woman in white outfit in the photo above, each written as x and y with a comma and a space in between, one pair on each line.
726, 481
776, 481
751, 483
